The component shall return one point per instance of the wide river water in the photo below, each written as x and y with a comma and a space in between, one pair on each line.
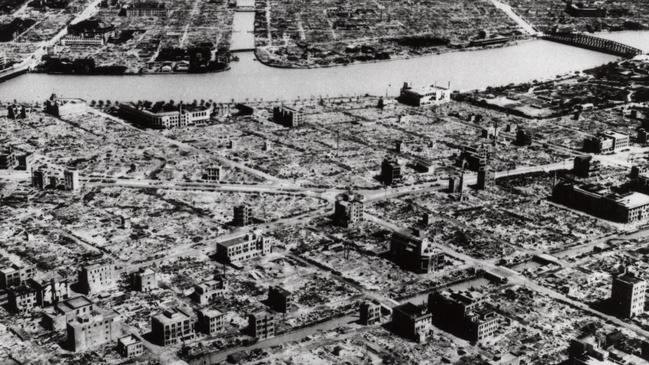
249, 79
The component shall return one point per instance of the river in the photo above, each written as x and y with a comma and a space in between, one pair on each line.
249, 79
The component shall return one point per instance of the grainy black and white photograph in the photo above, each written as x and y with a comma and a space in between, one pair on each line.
324, 182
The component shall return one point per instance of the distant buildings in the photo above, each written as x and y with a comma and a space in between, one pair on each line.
130, 346
165, 115
262, 325
288, 117
390, 171
210, 321
370, 313
464, 314
171, 326
628, 295
239, 249
586, 166
242, 215
582, 11
213, 173
144, 280
279, 299
16, 111
348, 209
143, 8
207, 291
601, 202
412, 321
97, 277
91, 330
608, 141
428, 95
416, 253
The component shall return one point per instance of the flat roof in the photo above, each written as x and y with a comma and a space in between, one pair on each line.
629, 278
171, 315
634, 200
129, 340
210, 313
410, 309
76, 302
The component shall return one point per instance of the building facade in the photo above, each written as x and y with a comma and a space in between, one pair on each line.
262, 325
412, 251
242, 215
348, 209
628, 295
172, 325
370, 313
210, 321
89, 331
97, 277
241, 249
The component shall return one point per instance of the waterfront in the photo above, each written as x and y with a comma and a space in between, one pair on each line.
249, 79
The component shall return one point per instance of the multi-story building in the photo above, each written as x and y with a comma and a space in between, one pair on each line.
412, 321
66, 311
88, 33
432, 94
586, 166
210, 321
370, 313
464, 314
486, 177
523, 137
413, 252
8, 158
130, 346
89, 331
16, 111
390, 170
588, 350
608, 141
348, 209
239, 249
147, 9
262, 325
473, 158
279, 299
288, 117
15, 275
71, 180
628, 295
207, 292
165, 116
97, 277
144, 280
213, 173
172, 325
65, 107
50, 290
242, 215
22, 298
600, 201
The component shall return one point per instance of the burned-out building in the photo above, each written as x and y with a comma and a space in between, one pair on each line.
287, 116
279, 299
262, 325
240, 249
390, 171
414, 252
172, 326
464, 314
348, 209
412, 321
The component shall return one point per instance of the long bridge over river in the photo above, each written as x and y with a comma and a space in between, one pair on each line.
593, 43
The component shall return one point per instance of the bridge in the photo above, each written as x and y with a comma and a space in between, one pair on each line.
593, 43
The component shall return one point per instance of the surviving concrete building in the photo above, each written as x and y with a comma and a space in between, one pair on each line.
213, 173
207, 292
279, 299
144, 280
65, 107
130, 346
586, 166
390, 171
601, 202
172, 325
50, 290
412, 251
89, 331
8, 158
628, 295
22, 298
348, 209
71, 180
464, 314
165, 116
370, 313
486, 177
262, 325
15, 275
288, 117
608, 141
240, 249
210, 321
242, 215
97, 277
432, 94
412, 321
67, 310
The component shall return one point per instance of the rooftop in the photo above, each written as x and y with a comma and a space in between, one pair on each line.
634, 200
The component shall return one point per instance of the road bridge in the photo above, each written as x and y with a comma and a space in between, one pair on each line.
591, 42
